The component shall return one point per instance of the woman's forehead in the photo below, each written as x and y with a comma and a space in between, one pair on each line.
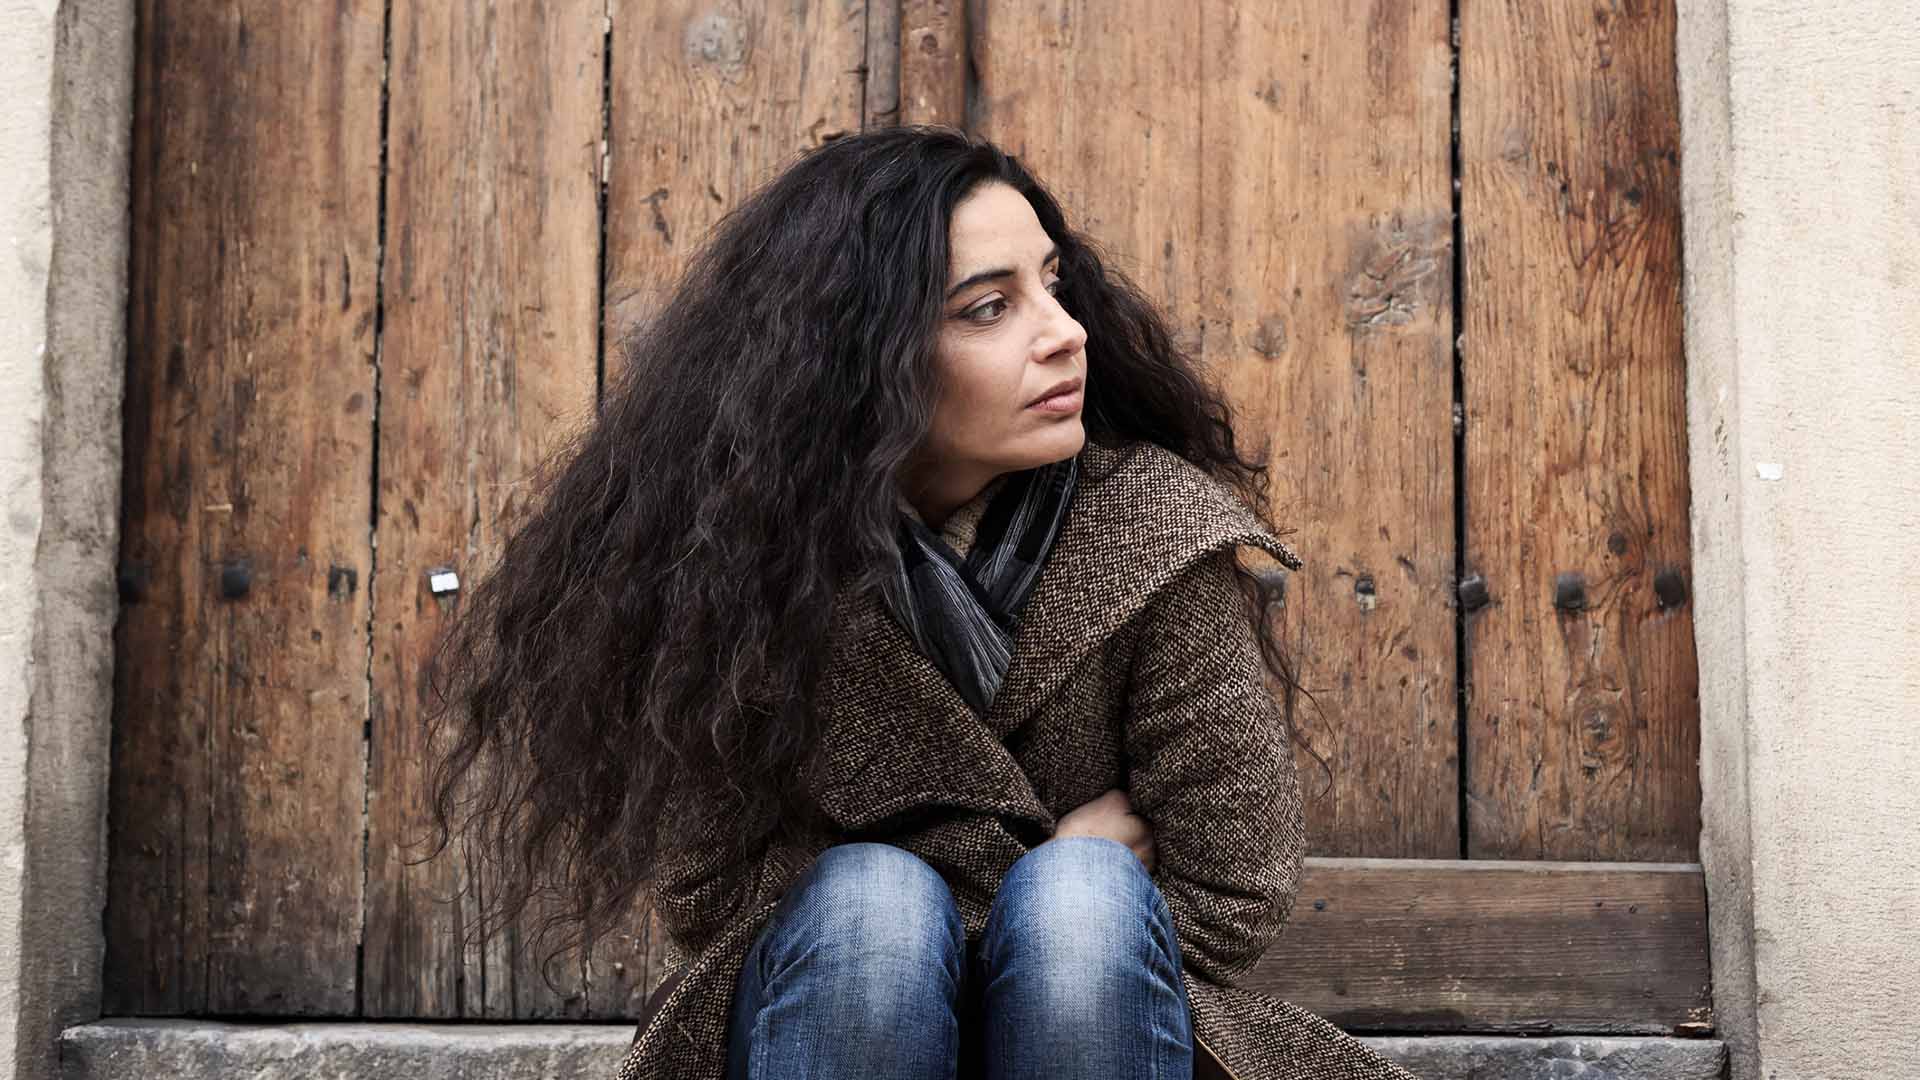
995, 228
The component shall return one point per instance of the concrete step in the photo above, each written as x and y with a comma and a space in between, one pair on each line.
143, 1049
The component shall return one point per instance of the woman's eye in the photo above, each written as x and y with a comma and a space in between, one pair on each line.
998, 304
975, 314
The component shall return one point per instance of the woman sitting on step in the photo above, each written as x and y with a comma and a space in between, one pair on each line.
888, 635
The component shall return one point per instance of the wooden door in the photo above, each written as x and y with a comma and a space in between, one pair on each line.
1434, 259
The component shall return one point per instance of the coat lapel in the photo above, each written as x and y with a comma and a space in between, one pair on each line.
899, 737
1140, 519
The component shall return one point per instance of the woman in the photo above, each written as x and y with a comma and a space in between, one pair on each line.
886, 635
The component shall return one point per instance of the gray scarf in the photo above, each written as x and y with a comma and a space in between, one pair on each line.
962, 613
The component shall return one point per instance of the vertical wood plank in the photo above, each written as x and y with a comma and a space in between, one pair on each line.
234, 879
1333, 323
1100, 99
1278, 176
933, 62
490, 290
708, 101
1582, 727
880, 95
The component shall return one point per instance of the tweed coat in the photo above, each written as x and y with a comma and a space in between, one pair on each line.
1133, 666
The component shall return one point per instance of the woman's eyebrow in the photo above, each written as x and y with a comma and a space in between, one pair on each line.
999, 272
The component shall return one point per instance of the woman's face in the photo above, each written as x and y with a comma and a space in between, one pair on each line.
1004, 342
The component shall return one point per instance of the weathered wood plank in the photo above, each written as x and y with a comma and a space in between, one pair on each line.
487, 355
880, 100
710, 101
238, 767
1291, 208
933, 62
707, 104
1494, 946
1583, 728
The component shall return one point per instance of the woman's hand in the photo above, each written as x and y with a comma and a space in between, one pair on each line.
1111, 815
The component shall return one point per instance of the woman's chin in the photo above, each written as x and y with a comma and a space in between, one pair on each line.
1061, 440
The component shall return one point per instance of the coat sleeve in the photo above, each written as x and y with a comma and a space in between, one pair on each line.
1211, 768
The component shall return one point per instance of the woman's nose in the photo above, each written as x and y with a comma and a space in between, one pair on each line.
1065, 337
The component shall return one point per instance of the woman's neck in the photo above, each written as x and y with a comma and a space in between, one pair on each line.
936, 497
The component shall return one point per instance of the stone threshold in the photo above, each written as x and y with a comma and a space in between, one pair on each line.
143, 1049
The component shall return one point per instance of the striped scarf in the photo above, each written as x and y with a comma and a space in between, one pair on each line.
960, 612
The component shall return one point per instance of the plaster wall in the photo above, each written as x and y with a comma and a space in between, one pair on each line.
1802, 185
65, 110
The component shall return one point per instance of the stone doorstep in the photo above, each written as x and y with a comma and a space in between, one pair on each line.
148, 1049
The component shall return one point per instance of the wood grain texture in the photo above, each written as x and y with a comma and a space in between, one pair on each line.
487, 357
1277, 175
1493, 946
709, 101
880, 91
237, 763
1582, 732
933, 62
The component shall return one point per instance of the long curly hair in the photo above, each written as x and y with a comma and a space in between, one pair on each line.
653, 631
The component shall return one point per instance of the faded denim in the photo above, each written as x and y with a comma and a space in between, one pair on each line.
864, 971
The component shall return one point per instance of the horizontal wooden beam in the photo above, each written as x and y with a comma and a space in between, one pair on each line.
1433, 946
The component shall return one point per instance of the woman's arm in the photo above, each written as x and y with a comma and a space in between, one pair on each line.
1211, 768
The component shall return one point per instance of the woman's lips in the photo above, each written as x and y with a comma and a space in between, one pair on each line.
1068, 402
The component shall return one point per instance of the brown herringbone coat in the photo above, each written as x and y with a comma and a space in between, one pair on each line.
1134, 666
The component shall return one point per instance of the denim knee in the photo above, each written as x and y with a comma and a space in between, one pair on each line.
871, 907
1081, 911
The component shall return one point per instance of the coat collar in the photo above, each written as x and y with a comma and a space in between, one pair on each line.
899, 737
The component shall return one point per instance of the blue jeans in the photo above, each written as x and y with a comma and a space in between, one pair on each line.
864, 972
